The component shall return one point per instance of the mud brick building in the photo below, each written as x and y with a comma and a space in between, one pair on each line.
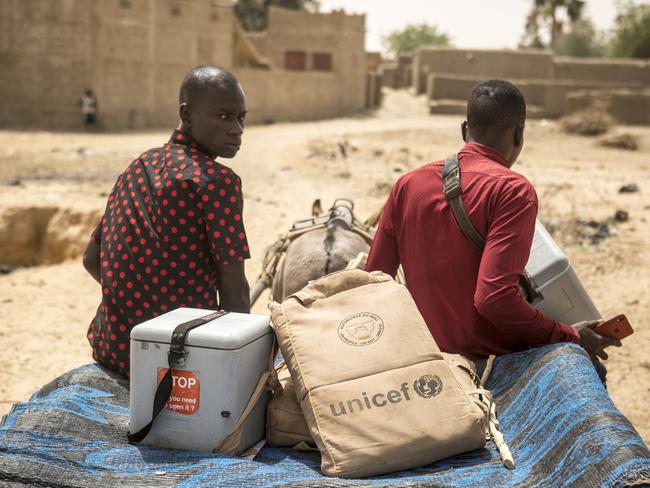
552, 85
134, 54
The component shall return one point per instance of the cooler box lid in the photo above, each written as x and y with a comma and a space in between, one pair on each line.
546, 260
231, 331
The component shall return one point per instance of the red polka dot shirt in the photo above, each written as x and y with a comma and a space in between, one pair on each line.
171, 217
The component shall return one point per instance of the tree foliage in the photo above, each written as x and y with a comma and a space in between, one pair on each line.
253, 14
544, 20
582, 40
631, 33
407, 39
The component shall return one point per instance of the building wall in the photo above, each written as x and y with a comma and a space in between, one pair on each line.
289, 96
520, 65
132, 53
448, 75
492, 63
627, 106
545, 98
373, 61
135, 53
389, 72
336, 33
604, 70
43, 70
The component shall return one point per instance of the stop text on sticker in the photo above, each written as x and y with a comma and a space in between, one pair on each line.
186, 391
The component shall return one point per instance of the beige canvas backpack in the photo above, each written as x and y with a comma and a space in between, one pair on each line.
285, 423
377, 394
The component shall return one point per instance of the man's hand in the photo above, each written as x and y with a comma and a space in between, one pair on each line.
594, 343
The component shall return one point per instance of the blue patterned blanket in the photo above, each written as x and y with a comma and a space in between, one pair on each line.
559, 421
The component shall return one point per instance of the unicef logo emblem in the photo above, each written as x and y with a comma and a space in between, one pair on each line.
427, 386
361, 329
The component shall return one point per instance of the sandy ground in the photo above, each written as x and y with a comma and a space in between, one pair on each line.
45, 310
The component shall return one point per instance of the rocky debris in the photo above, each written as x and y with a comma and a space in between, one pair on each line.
331, 150
629, 188
343, 150
44, 235
589, 122
620, 141
595, 230
621, 216
15, 181
381, 189
4, 269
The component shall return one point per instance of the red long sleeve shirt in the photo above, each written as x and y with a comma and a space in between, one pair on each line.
468, 298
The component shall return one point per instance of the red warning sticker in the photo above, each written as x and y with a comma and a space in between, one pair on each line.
186, 391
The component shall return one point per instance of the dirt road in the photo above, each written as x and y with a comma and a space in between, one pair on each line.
45, 309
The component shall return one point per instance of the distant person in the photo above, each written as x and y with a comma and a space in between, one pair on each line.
173, 232
89, 108
468, 296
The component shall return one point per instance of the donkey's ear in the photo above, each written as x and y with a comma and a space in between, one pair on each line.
316, 208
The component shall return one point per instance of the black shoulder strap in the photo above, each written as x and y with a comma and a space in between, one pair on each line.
175, 355
453, 191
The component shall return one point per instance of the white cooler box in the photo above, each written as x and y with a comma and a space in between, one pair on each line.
224, 361
563, 296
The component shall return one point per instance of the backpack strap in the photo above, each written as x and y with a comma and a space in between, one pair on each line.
268, 381
453, 194
453, 191
175, 356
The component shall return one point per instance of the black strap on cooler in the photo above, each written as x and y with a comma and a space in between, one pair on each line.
174, 356
453, 194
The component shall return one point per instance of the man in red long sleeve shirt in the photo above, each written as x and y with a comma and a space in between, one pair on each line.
469, 297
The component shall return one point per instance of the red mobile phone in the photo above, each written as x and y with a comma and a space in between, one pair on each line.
616, 328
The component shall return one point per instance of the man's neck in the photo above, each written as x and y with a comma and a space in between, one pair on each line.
489, 142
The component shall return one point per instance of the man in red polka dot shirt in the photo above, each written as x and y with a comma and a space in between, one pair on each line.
172, 234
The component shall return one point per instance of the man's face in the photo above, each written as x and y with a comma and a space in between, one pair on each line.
216, 119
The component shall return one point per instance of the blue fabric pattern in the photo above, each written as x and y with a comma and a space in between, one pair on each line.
560, 423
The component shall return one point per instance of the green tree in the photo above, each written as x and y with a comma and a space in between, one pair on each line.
545, 16
253, 14
582, 40
631, 33
412, 36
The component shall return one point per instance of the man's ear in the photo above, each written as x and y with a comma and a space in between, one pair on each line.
185, 113
518, 136
463, 130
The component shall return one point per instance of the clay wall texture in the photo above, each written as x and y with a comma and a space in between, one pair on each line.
632, 107
544, 98
340, 35
135, 53
492, 63
389, 75
448, 75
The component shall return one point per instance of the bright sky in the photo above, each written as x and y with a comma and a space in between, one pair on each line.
470, 23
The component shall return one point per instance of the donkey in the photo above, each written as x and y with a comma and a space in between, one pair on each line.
313, 248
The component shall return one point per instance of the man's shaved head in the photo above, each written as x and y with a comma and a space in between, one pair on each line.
495, 105
213, 110
201, 78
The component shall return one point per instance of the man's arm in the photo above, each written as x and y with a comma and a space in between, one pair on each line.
91, 260
497, 298
506, 252
383, 255
234, 292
